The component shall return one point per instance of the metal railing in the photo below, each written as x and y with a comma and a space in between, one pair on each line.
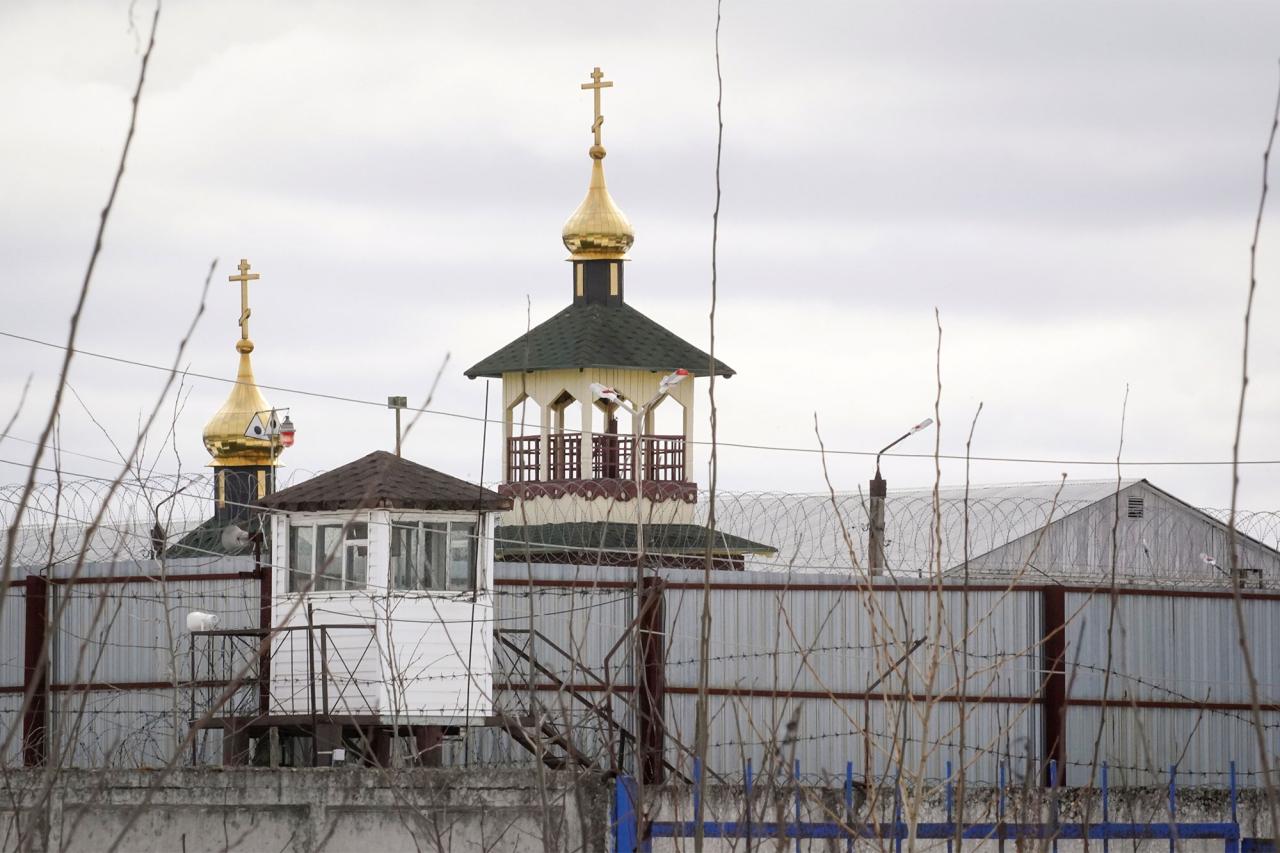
303, 673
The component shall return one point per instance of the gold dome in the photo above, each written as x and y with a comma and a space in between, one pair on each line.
598, 229
224, 434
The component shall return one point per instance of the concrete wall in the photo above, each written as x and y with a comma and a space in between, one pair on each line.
291, 811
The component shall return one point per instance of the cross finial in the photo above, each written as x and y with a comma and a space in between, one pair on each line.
598, 83
244, 278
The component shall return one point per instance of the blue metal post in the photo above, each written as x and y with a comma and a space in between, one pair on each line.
848, 804
1053, 801
625, 829
950, 829
1233, 845
747, 779
1106, 808
697, 790
1173, 806
797, 778
1000, 811
897, 814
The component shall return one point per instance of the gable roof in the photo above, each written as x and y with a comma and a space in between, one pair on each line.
595, 335
382, 480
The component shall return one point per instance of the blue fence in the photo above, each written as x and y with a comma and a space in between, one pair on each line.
632, 835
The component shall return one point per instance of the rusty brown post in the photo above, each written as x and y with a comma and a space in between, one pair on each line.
35, 673
1053, 656
651, 698
875, 530
264, 625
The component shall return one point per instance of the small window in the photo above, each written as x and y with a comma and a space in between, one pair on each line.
302, 548
433, 555
319, 551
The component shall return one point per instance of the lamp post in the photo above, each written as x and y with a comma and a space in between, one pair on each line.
648, 650
879, 489
397, 403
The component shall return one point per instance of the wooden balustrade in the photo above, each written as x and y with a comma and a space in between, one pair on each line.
612, 457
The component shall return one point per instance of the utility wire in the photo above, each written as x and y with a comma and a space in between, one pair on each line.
739, 445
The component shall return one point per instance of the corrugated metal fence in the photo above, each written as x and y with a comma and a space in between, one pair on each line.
118, 657
821, 669
830, 671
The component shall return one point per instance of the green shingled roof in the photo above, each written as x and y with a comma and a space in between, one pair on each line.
515, 540
594, 335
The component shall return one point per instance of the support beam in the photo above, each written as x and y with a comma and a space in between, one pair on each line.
652, 702
35, 673
1053, 657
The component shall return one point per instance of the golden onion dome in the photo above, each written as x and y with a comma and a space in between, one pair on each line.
598, 229
224, 434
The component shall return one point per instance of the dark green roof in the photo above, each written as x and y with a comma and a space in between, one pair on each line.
666, 539
595, 335
208, 540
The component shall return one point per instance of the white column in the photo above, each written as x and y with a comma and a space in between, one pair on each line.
588, 406
544, 456
688, 437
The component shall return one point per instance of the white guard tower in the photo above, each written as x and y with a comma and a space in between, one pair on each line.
383, 600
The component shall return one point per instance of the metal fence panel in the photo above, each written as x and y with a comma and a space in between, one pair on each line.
1140, 744
137, 632
844, 640
823, 735
13, 621
1165, 648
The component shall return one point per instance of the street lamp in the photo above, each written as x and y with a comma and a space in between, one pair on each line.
879, 489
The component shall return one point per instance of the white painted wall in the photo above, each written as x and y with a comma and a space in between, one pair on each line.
416, 657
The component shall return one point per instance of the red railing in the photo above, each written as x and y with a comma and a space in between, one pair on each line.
522, 458
664, 457
612, 457
565, 456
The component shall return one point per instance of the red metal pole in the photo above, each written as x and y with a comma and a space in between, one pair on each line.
264, 625
35, 722
1053, 655
653, 685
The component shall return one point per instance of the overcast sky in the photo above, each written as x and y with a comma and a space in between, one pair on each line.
1072, 186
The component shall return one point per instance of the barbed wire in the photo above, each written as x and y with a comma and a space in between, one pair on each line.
1108, 463
1035, 536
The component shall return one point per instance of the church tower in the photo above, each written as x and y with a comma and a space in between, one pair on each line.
243, 437
581, 396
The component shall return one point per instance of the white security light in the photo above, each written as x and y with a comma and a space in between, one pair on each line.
604, 392
673, 378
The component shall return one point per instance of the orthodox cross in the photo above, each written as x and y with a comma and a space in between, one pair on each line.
597, 85
244, 278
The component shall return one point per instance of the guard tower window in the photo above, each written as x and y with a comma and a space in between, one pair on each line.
433, 555
317, 550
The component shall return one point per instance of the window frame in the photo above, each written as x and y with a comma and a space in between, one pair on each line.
477, 558
346, 525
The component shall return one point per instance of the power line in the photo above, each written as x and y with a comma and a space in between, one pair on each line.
1028, 460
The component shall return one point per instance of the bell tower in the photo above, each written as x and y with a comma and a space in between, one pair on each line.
583, 395
240, 435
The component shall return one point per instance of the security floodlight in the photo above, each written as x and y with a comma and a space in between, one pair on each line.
673, 378
604, 392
